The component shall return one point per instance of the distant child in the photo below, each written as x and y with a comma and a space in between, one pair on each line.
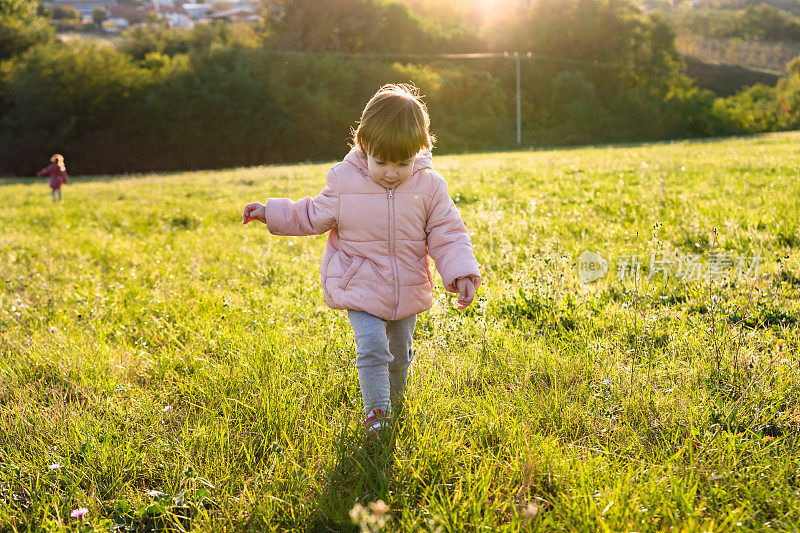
386, 210
58, 175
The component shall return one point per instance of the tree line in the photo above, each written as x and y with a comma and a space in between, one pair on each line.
761, 22
228, 94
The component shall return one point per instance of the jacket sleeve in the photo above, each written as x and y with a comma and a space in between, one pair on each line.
43, 171
307, 216
448, 241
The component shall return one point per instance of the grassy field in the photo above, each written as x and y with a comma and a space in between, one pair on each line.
166, 368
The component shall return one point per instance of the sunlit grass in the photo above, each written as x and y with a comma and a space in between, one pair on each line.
182, 371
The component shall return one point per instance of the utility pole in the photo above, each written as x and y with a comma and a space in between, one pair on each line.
519, 103
483, 55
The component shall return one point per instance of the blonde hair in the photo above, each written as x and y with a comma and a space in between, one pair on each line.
59, 160
394, 124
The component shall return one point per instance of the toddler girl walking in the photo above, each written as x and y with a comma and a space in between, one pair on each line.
58, 175
386, 210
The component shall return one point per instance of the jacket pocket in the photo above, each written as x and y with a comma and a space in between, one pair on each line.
351, 271
426, 265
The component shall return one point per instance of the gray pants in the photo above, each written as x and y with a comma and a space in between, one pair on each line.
383, 358
56, 192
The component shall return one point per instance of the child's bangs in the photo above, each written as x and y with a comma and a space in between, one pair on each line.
395, 140
394, 148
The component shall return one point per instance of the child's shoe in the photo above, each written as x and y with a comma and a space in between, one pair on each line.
377, 422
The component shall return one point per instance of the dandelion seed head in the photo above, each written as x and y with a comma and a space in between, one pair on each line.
530, 511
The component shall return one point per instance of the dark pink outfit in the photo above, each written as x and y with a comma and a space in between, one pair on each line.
57, 176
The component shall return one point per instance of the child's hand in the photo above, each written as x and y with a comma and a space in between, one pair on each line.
254, 211
466, 292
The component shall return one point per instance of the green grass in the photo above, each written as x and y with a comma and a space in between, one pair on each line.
185, 373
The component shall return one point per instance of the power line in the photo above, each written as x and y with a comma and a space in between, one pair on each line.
477, 55
516, 56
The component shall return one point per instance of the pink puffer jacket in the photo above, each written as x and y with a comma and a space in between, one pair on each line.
376, 256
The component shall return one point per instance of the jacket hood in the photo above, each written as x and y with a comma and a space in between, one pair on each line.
357, 158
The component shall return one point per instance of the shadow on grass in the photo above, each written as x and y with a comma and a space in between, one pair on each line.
361, 472
531, 146
108, 178
11, 179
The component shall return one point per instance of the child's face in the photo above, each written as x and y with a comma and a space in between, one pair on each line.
389, 174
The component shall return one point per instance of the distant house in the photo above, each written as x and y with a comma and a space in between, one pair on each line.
239, 13
197, 11
174, 14
125, 14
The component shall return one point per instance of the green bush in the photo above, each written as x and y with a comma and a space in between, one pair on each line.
762, 22
209, 110
99, 15
688, 111
139, 41
753, 110
788, 91
360, 26
21, 27
576, 112
58, 96
66, 13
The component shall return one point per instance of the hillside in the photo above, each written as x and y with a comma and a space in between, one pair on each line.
723, 79
792, 6
163, 366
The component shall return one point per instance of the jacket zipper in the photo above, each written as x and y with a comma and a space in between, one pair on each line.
391, 254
